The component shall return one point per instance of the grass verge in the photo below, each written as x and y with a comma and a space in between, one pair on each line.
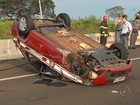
5, 29
88, 25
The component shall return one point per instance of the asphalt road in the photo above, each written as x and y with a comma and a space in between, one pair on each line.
31, 90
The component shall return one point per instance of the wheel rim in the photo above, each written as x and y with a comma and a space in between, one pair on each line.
22, 24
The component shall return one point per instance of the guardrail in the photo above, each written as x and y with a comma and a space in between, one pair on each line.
110, 39
8, 50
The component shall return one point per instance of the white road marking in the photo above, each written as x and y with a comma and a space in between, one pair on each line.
133, 59
17, 77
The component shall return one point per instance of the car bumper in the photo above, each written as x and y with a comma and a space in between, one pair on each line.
114, 75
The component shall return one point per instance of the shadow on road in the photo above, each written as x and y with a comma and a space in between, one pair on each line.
51, 82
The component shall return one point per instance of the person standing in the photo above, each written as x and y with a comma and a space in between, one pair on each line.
134, 35
118, 25
104, 31
126, 31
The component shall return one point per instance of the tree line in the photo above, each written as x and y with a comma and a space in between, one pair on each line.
17, 7
117, 10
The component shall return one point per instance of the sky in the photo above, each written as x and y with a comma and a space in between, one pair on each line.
85, 8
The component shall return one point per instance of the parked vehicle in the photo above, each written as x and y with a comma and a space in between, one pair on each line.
57, 51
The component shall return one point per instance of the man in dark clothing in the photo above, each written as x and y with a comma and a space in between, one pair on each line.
104, 31
134, 35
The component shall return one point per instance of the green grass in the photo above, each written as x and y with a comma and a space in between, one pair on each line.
88, 25
5, 29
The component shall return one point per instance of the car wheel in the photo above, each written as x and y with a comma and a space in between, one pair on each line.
119, 50
65, 19
25, 25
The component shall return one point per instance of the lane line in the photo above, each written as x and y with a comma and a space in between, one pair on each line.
133, 59
17, 77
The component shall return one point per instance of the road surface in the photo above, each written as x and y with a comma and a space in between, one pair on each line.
19, 85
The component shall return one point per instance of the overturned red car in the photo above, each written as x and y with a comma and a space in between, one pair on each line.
57, 51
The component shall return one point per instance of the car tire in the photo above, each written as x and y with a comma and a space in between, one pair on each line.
119, 50
64, 18
25, 25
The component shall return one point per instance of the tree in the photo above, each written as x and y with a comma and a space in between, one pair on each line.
137, 14
47, 8
27, 6
114, 11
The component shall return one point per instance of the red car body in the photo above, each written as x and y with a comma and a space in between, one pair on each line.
64, 50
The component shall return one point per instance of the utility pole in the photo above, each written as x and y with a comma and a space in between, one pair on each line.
40, 7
